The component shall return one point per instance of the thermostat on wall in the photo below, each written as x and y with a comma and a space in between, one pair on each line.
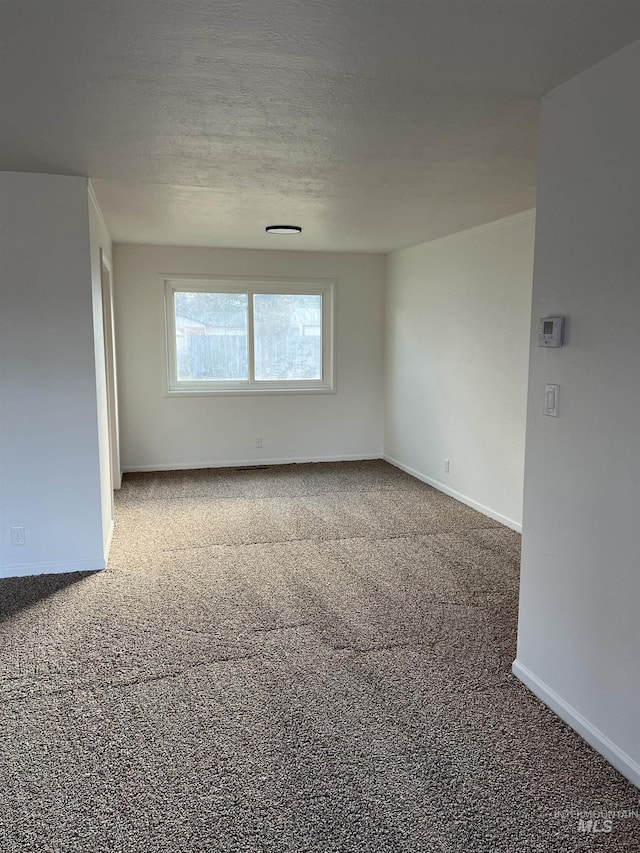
551, 332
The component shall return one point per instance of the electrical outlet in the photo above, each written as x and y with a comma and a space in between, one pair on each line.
446, 466
17, 535
258, 443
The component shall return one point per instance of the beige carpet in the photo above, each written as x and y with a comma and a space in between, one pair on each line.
299, 658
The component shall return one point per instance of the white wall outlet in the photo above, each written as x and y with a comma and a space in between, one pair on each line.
446, 466
17, 535
258, 443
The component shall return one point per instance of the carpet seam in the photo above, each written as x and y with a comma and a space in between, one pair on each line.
369, 538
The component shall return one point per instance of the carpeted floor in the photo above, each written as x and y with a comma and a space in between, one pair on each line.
300, 658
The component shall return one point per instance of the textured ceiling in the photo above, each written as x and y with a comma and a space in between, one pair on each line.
374, 124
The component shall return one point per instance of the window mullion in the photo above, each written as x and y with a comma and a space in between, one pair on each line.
250, 338
324, 336
172, 349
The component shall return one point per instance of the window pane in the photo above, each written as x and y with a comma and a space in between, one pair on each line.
287, 336
211, 337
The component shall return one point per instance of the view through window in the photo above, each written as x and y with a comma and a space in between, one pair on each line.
262, 337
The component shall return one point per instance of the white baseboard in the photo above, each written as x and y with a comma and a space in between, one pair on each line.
26, 569
442, 487
242, 463
593, 736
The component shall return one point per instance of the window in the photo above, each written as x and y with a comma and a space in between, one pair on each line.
249, 336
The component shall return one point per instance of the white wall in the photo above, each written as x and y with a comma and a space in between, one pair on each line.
159, 432
100, 246
457, 347
49, 471
579, 628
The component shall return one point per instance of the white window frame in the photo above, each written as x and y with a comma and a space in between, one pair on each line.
250, 286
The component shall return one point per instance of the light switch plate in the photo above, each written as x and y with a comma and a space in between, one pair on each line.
551, 400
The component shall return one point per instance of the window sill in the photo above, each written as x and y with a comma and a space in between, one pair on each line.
247, 392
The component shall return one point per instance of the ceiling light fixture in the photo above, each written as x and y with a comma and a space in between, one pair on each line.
283, 229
